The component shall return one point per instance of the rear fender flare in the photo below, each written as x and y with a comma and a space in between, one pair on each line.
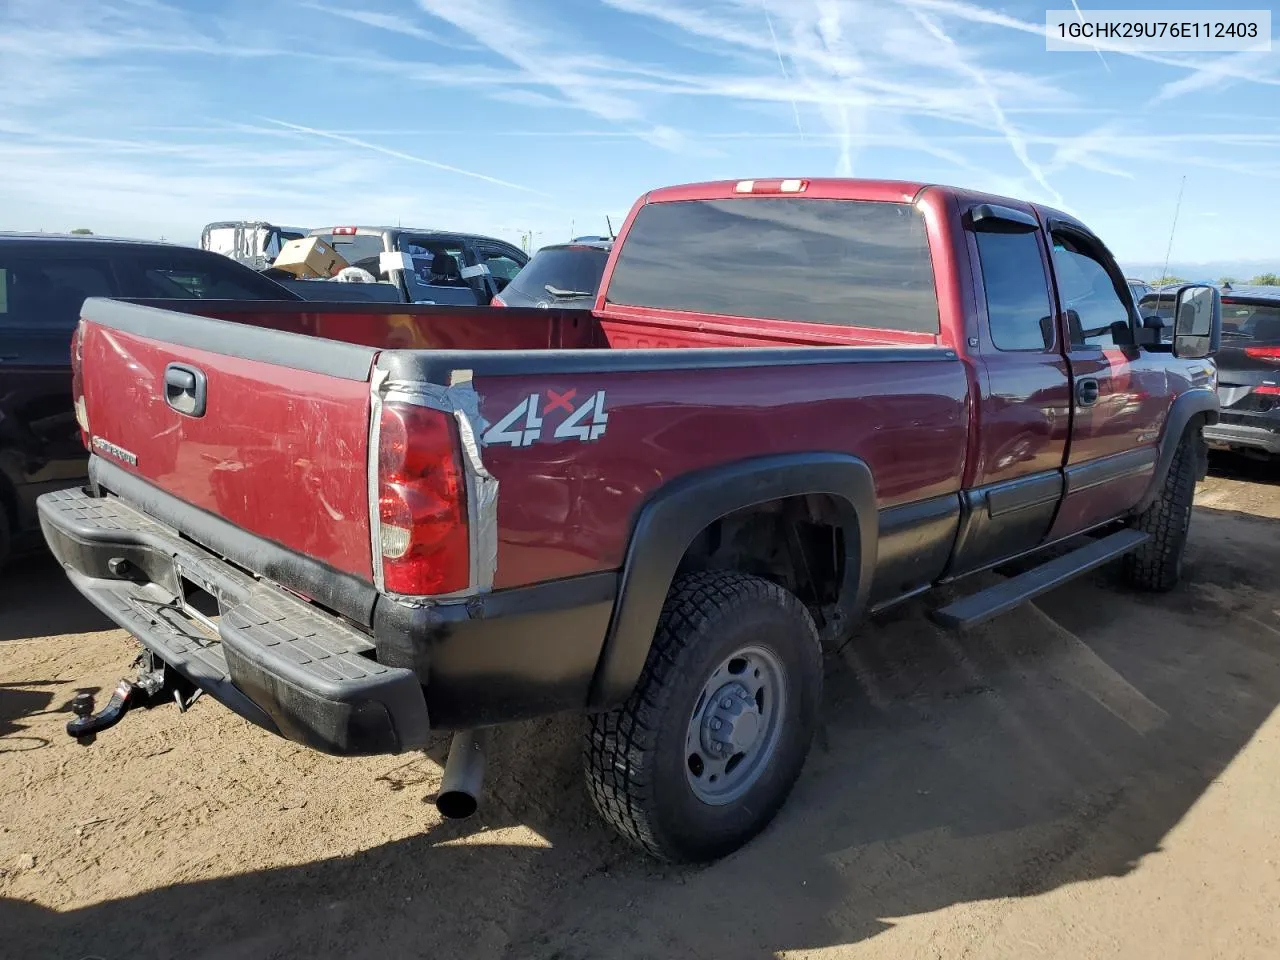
1196, 402
671, 518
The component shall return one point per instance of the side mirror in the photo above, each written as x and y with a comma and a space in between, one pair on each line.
1197, 322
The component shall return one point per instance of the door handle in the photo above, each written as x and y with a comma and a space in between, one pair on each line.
1087, 391
185, 389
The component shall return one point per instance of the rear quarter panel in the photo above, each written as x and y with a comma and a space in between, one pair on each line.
565, 507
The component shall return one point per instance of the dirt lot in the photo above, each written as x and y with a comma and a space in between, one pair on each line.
1095, 776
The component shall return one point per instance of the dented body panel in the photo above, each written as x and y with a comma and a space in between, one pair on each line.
281, 453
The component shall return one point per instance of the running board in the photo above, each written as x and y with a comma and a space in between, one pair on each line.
1003, 597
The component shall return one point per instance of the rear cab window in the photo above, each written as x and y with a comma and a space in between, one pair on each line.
358, 249
839, 262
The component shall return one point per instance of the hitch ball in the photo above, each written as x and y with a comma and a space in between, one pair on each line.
82, 704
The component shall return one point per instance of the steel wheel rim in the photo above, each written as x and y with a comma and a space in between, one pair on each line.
735, 725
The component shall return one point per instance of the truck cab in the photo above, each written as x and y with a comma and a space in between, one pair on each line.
430, 266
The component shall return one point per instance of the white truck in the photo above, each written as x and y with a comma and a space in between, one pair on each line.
255, 243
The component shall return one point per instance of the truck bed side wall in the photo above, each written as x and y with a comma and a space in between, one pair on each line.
566, 506
398, 326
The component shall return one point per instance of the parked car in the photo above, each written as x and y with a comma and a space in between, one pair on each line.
1138, 289
422, 266
1249, 372
569, 510
1248, 365
564, 275
44, 279
253, 243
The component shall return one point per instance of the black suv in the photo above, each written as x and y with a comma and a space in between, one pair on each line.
44, 278
1248, 365
562, 275
1249, 372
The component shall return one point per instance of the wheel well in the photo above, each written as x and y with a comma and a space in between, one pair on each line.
796, 542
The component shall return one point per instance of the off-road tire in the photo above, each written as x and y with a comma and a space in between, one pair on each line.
1157, 564
635, 757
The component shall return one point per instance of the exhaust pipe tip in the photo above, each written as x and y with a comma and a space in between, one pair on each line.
463, 779
456, 804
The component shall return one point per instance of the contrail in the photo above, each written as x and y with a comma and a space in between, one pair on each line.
777, 48
340, 138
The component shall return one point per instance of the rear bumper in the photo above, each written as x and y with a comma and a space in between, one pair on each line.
274, 659
1260, 437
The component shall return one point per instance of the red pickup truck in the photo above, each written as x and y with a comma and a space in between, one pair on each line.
795, 402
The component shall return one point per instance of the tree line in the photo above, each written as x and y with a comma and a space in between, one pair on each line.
1261, 280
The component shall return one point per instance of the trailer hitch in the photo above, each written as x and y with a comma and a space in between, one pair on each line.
128, 693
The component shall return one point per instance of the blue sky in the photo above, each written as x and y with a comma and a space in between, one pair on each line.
149, 118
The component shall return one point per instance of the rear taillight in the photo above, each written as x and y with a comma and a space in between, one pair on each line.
344, 231
1265, 354
497, 302
77, 383
1267, 390
422, 511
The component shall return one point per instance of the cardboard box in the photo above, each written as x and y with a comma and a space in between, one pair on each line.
309, 259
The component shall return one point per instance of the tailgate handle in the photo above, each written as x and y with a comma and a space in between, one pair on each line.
185, 389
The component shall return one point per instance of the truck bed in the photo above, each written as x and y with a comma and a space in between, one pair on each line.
283, 450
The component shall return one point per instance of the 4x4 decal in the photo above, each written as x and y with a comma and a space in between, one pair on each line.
522, 426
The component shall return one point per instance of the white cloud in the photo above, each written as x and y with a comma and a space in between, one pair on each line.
545, 59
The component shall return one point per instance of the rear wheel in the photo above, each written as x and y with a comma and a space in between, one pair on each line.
1157, 564
709, 744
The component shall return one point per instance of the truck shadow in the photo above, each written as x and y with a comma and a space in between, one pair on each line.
1058, 744
37, 600
1235, 466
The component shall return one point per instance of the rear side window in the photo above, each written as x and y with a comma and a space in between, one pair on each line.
47, 293
1018, 310
568, 270
842, 262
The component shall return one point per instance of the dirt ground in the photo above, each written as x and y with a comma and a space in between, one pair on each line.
1094, 776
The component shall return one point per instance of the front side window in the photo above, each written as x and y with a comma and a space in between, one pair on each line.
503, 267
207, 278
842, 262
1018, 310
47, 293
1088, 294
436, 276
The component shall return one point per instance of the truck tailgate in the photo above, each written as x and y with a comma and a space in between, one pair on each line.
265, 429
